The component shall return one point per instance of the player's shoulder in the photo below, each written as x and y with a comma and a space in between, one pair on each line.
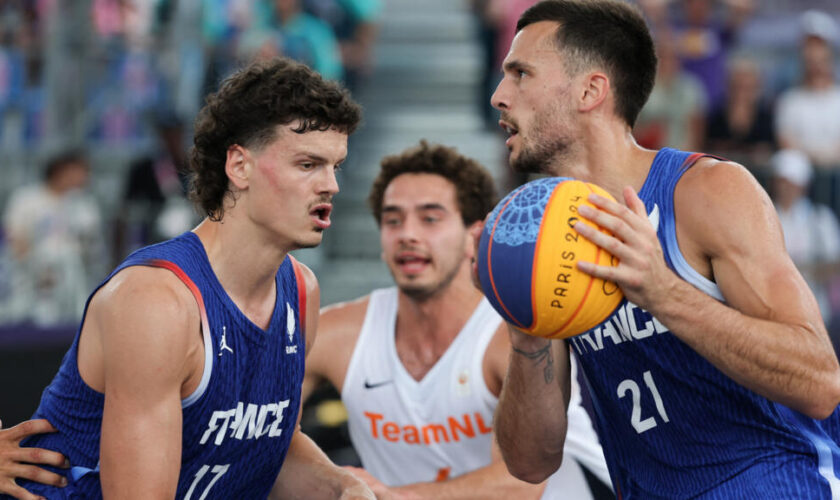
339, 327
720, 200
711, 169
716, 185
343, 318
146, 319
146, 295
154, 285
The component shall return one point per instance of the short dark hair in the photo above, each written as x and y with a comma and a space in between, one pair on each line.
607, 33
247, 109
58, 162
475, 191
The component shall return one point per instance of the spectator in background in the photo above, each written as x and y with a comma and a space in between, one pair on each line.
296, 34
808, 115
487, 31
811, 231
703, 36
21, 61
356, 26
155, 207
814, 27
222, 24
675, 113
128, 81
741, 128
54, 233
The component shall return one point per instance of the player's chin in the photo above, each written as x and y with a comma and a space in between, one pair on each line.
417, 291
311, 241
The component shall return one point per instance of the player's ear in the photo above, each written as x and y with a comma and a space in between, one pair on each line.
596, 86
473, 235
238, 166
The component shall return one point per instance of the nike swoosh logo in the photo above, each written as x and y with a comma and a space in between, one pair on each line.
368, 385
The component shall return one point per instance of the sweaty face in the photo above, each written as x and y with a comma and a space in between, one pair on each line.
291, 183
532, 98
424, 240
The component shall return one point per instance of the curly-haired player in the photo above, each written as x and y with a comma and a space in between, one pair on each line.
184, 379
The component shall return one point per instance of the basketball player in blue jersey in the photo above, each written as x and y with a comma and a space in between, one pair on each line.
715, 378
184, 379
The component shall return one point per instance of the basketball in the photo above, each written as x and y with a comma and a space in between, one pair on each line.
527, 260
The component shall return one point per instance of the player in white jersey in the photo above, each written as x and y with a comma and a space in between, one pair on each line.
420, 366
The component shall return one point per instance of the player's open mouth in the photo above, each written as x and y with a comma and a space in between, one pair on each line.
510, 130
411, 263
321, 214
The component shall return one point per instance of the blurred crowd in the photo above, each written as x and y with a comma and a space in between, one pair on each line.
735, 79
127, 76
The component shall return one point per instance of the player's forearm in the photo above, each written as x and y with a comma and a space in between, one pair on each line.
530, 420
307, 473
792, 363
487, 483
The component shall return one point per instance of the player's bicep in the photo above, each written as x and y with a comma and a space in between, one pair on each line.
146, 334
744, 240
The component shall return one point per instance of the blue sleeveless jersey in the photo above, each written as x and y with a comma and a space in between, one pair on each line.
236, 425
672, 425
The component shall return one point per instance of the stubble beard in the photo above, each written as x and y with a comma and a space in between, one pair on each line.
539, 158
422, 293
547, 146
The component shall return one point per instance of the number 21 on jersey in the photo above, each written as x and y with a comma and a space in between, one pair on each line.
630, 385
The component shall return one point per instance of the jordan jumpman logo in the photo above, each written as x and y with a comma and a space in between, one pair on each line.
223, 345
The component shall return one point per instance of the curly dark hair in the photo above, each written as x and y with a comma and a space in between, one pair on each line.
247, 109
608, 33
474, 187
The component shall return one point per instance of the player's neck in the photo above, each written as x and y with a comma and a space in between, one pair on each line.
426, 329
437, 320
245, 270
610, 158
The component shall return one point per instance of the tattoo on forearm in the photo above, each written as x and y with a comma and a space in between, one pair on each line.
538, 356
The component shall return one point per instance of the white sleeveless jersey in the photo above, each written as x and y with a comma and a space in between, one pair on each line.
407, 431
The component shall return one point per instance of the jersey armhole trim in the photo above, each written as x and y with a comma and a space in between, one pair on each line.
205, 327
301, 288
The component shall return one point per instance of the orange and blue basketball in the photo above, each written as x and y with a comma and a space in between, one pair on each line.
527, 260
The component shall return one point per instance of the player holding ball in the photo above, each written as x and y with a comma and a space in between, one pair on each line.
714, 377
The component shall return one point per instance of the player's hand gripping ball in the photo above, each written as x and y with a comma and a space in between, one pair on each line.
527, 260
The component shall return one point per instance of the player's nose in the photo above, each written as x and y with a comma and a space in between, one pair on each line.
501, 97
328, 183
